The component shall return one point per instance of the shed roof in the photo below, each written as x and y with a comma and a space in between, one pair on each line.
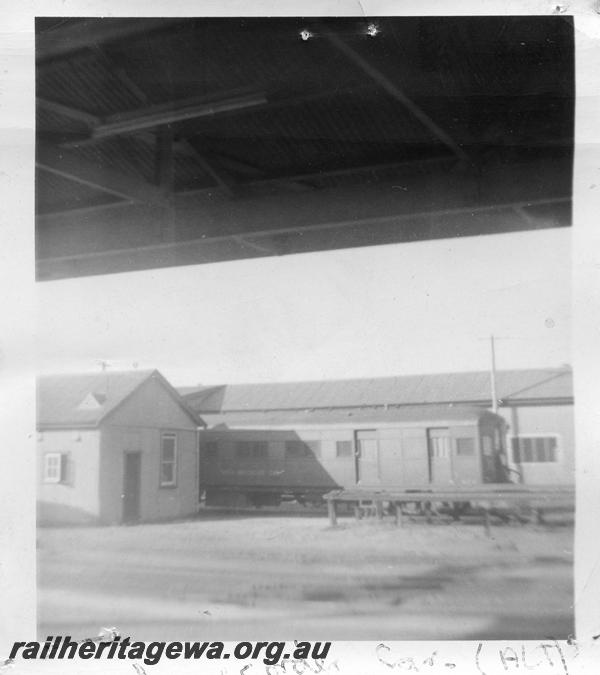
85, 399
259, 142
438, 414
470, 387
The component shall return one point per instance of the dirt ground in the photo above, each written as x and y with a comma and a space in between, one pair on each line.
266, 575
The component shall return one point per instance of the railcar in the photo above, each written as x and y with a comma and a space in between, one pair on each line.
264, 458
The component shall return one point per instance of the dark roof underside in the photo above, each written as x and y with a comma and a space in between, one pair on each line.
177, 141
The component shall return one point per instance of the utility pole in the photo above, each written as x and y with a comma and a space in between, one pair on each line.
493, 376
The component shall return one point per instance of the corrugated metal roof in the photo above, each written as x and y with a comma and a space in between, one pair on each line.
322, 111
53, 122
436, 414
58, 192
468, 387
74, 80
203, 56
84, 400
336, 131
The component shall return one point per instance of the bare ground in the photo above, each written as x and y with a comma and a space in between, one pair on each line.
266, 575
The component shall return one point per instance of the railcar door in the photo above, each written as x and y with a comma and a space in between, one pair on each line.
439, 444
367, 457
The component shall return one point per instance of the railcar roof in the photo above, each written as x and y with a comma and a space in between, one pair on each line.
435, 414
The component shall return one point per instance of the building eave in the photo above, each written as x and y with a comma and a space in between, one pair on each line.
65, 426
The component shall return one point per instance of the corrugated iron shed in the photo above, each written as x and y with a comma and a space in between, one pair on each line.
252, 141
470, 387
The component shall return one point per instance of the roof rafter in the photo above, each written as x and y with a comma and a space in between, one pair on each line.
394, 90
86, 118
68, 164
222, 178
261, 241
175, 111
209, 164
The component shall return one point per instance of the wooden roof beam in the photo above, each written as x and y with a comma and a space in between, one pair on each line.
86, 118
210, 164
220, 176
68, 164
360, 168
203, 249
177, 111
396, 92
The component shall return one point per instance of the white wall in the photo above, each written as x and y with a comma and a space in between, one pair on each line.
77, 500
545, 420
137, 425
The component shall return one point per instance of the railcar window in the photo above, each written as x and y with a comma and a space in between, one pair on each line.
212, 449
255, 449
242, 450
343, 448
295, 449
260, 449
497, 439
534, 449
465, 447
440, 447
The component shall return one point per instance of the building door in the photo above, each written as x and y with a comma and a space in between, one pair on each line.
439, 444
367, 457
132, 462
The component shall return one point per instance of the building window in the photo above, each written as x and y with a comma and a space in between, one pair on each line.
53, 467
58, 468
254, 449
296, 449
343, 449
534, 449
465, 447
168, 460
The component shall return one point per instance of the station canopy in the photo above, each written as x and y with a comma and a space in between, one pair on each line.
164, 142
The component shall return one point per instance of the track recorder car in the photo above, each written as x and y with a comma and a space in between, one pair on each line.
263, 459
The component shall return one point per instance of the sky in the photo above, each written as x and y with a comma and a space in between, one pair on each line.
383, 310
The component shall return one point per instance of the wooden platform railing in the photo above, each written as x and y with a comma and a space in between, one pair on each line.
485, 498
